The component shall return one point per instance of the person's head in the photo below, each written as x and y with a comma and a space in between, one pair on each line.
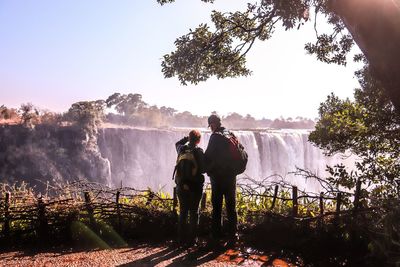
214, 122
194, 137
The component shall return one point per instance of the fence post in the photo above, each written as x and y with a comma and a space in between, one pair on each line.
150, 197
321, 203
203, 201
274, 198
338, 204
321, 209
42, 219
357, 195
118, 210
295, 202
89, 208
6, 229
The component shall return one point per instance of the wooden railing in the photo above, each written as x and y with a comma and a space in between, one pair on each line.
92, 202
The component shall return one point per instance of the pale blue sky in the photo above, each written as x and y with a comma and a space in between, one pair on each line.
54, 53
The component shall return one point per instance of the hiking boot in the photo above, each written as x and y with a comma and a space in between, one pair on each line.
214, 244
232, 242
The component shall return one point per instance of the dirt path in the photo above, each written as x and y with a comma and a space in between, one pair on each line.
140, 255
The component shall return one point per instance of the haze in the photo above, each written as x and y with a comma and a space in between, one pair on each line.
55, 53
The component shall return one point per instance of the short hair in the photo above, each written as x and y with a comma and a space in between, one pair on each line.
194, 136
214, 118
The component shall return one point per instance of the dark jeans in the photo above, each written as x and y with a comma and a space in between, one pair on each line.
223, 186
188, 207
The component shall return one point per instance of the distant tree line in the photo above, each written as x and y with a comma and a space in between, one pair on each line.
131, 109
28, 115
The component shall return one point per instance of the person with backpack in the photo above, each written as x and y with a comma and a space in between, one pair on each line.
189, 181
225, 158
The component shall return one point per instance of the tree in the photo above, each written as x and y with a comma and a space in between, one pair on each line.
373, 24
368, 127
4, 114
375, 27
233, 120
50, 118
127, 105
29, 114
152, 117
8, 113
250, 122
88, 115
167, 111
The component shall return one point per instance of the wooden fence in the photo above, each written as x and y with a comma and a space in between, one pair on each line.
83, 200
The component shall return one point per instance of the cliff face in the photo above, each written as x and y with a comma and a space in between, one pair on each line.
49, 153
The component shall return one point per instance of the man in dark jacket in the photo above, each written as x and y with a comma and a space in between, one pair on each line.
189, 189
223, 179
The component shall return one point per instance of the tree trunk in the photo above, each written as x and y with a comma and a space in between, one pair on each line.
375, 27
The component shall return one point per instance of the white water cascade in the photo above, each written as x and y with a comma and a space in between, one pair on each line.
143, 158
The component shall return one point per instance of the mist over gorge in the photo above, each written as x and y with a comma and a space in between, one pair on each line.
49, 153
142, 157
145, 157
124, 140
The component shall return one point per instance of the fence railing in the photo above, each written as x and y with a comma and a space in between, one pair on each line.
93, 201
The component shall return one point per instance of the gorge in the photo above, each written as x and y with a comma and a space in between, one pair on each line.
145, 157
142, 158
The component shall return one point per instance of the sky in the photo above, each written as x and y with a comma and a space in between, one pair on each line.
55, 53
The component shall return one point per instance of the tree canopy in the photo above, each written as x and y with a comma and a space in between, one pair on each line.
126, 104
369, 127
221, 50
87, 115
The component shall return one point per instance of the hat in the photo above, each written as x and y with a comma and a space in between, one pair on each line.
214, 119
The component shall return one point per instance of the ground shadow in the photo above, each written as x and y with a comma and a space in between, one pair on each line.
178, 256
57, 251
28, 252
195, 258
155, 258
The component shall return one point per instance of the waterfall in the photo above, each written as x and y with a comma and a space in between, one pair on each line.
145, 158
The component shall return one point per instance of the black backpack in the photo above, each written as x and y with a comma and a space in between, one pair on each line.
186, 167
237, 155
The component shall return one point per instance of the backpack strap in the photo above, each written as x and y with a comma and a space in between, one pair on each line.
225, 133
173, 174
